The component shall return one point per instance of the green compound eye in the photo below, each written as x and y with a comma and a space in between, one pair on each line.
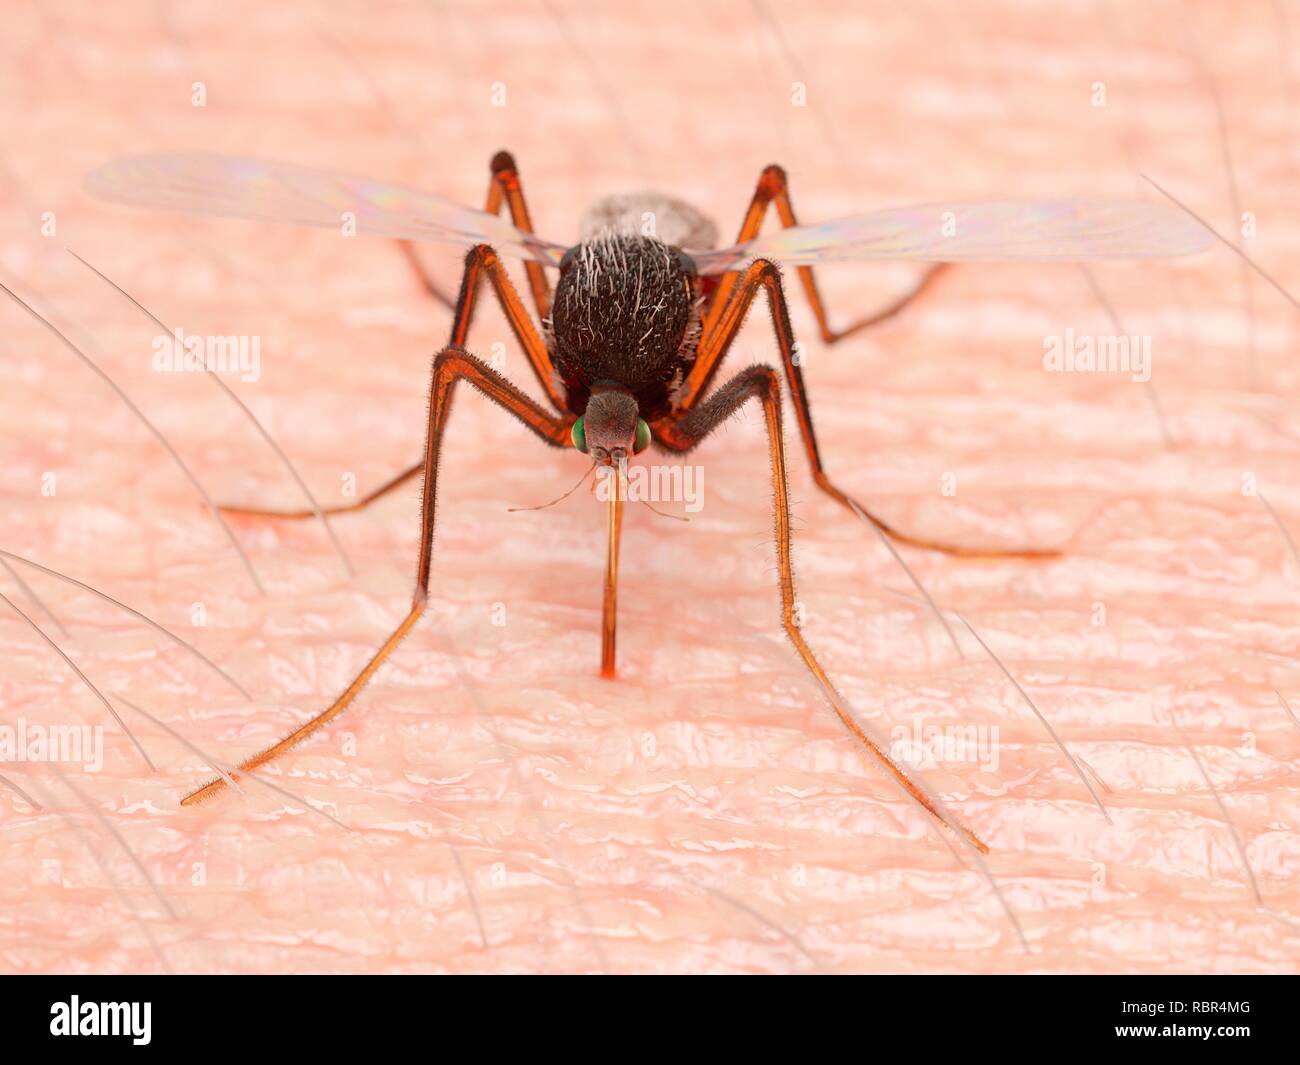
642, 437
579, 435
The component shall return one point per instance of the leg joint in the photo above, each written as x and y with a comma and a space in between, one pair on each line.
765, 379
771, 182
502, 162
451, 353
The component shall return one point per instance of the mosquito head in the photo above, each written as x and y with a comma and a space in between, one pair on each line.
611, 428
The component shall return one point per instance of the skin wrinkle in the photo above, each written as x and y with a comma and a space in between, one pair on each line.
1039, 714
66, 579
1148, 388
288, 465
36, 600
704, 811
127, 900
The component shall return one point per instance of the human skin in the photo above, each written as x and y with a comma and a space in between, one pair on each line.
505, 808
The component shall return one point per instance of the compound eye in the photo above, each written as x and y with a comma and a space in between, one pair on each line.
642, 437
567, 259
579, 435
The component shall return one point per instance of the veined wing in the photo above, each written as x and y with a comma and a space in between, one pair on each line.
269, 190
1066, 230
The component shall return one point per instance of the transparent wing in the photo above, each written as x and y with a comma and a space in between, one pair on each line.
1071, 230
268, 190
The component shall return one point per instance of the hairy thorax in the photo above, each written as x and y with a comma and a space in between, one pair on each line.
626, 310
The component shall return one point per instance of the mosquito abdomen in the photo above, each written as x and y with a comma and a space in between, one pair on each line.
651, 214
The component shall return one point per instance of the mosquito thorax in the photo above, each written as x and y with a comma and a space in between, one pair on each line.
625, 311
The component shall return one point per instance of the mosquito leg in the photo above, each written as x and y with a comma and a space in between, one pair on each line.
506, 185
774, 188
713, 347
481, 261
687, 430
503, 187
343, 508
451, 366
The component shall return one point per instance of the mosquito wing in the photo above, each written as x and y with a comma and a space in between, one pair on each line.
1071, 230
267, 190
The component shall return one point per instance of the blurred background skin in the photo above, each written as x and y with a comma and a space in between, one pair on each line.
505, 809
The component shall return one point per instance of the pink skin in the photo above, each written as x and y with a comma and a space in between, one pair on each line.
506, 810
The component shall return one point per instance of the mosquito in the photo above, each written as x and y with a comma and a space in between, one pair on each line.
628, 346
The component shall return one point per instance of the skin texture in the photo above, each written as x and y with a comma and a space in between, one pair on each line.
506, 810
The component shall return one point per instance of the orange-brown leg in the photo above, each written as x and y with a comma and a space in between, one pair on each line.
774, 189
451, 366
685, 431
504, 186
481, 261
343, 508
713, 347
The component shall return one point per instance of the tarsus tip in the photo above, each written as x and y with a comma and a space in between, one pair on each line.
206, 792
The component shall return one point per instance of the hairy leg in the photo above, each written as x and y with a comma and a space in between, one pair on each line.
716, 341
452, 366
481, 262
685, 432
504, 188
774, 188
